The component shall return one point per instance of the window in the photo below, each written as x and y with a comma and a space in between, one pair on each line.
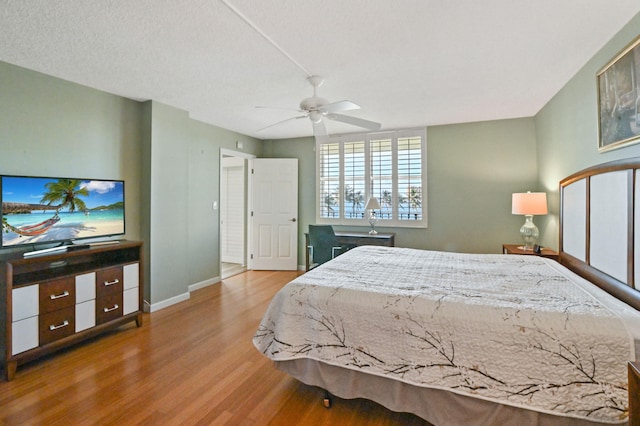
390, 166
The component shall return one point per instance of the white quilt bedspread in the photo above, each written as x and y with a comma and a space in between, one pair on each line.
518, 330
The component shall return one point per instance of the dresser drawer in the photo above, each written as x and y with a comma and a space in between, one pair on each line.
56, 325
130, 301
109, 281
85, 287
25, 302
57, 294
24, 335
131, 276
85, 315
108, 307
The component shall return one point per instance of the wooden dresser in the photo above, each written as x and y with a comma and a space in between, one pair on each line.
51, 301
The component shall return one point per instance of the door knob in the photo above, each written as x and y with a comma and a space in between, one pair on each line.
292, 220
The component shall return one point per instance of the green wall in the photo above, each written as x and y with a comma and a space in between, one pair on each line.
567, 130
472, 170
170, 162
184, 170
50, 127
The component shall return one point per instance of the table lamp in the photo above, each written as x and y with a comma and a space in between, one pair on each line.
372, 206
529, 204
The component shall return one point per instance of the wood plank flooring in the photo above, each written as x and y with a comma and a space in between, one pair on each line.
192, 363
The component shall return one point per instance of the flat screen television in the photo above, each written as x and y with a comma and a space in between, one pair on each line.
44, 210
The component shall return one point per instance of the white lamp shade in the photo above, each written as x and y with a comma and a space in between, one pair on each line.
529, 203
372, 204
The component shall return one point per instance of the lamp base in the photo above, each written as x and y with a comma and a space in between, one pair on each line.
529, 233
373, 219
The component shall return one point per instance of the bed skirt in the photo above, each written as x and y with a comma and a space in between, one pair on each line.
436, 406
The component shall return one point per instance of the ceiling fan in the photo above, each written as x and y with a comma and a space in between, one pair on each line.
317, 109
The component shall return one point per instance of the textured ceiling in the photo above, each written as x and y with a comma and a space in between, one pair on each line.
407, 63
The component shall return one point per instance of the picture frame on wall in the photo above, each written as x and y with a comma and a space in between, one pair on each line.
618, 85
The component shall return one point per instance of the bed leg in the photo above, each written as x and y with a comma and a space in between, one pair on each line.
326, 401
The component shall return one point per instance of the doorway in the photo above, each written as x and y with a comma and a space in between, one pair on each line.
233, 212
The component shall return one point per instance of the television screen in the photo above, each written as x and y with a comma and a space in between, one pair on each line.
38, 210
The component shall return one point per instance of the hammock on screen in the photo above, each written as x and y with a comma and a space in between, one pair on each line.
33, 230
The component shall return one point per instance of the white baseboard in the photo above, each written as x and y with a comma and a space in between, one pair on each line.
153, 307
168, 302
203, 284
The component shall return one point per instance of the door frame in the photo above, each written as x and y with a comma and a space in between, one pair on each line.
224, 152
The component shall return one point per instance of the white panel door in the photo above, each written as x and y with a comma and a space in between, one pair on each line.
274, 209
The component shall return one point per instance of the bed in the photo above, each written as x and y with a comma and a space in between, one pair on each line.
478, 339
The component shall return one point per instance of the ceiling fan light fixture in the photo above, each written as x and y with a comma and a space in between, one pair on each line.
315, 116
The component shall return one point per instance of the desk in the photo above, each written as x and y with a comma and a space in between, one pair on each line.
366, 239
354, 239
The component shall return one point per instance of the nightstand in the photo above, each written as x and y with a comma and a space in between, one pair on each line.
516, 249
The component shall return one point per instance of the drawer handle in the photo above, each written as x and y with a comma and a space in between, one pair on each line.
107, 283
111, 309
58, 296
55, 327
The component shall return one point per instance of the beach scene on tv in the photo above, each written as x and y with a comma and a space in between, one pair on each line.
40, 210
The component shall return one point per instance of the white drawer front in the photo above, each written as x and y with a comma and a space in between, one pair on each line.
85, 287
129, 301
85, 315
131, 275
24, 335
25, 302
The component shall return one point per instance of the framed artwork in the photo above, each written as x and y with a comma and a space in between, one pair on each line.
619, 100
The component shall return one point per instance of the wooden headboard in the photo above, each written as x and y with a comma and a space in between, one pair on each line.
600, 227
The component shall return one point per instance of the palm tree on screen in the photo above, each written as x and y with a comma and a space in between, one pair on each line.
65, 193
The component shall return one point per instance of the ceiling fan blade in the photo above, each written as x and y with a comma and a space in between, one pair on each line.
339, 107
280, 122
320, 130
322, 139
371, 125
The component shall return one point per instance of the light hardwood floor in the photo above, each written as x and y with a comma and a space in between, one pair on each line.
191, 363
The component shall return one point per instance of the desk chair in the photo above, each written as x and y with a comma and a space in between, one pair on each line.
323, 245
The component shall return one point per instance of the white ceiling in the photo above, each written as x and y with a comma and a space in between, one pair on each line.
407, 63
